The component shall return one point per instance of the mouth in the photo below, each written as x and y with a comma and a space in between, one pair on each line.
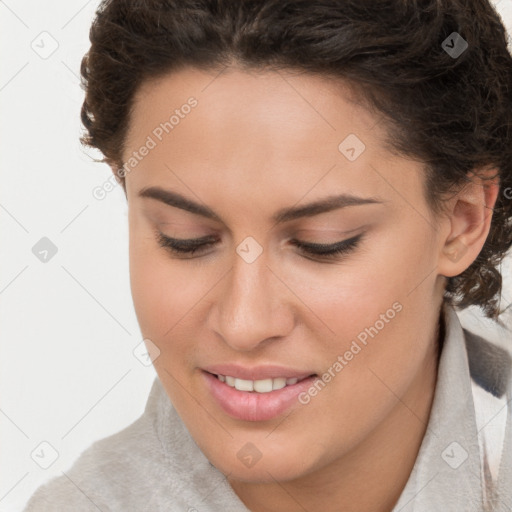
260, 385
256, 399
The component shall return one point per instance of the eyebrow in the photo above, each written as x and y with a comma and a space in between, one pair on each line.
327, 204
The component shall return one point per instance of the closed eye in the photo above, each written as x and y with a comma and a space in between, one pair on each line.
186, 247
329, 250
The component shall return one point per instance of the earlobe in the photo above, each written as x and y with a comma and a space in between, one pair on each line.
455, 250
470, 222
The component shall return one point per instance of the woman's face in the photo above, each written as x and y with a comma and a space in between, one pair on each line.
252, 151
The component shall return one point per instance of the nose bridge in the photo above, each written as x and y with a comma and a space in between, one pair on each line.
250, 306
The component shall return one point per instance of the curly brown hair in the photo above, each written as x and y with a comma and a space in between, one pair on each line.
452, 113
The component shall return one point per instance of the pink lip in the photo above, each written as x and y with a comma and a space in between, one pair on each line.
257, 372
252, 406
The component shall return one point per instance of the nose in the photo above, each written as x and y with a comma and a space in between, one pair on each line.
251, 306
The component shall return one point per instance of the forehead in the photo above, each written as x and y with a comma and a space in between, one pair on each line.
279, 133
304, 104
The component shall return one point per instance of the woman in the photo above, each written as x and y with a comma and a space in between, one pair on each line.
313, 188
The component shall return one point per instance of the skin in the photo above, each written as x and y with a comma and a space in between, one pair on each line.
256, 143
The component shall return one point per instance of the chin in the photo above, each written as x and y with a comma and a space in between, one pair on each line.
270, 473
267, 469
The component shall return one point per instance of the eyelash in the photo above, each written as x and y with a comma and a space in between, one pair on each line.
322, 251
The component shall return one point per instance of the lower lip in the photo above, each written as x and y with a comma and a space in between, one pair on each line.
253, 406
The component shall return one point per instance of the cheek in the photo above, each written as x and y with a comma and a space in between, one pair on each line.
162, 293
374, 311
170, 297
342, 300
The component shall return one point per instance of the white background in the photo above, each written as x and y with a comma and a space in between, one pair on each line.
68, 375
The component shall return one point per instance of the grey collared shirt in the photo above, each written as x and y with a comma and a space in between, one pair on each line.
155, 465
447, 475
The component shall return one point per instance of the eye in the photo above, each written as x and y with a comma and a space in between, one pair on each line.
184, 247
329, 251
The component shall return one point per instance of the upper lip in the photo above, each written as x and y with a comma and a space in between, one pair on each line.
257, 372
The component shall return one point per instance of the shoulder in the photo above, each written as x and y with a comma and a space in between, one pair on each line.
107, 474
490, 366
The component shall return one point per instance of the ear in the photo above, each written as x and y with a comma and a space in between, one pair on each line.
469, 216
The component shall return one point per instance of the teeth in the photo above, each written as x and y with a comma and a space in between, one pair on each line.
244, 385
278, 383
263, 386
260, 386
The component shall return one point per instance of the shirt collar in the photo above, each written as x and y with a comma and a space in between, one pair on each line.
446, 474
